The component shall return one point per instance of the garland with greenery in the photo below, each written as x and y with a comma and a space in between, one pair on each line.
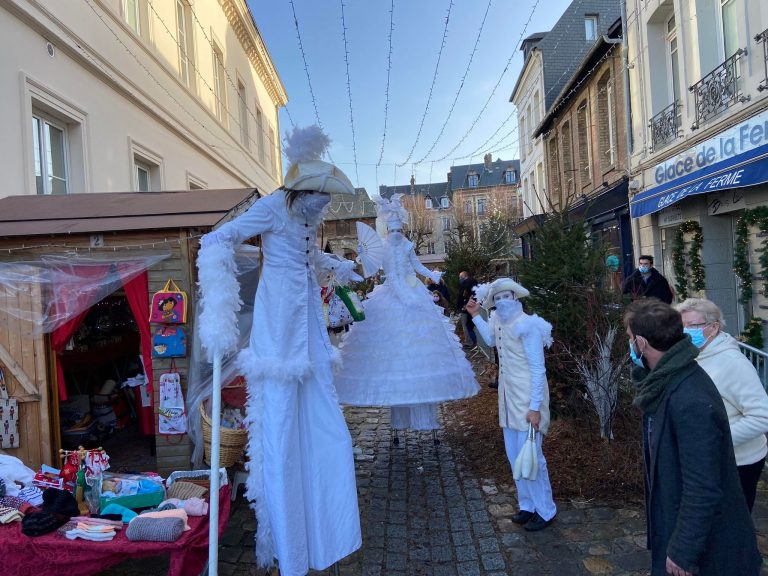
752, 217
753, 333
692, 258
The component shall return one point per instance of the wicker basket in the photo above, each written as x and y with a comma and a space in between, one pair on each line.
232, 442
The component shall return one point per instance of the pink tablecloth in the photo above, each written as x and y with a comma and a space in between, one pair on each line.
53, 554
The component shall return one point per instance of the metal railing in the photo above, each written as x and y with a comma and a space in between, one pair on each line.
763, 37
665, 126
759, 359
718, 90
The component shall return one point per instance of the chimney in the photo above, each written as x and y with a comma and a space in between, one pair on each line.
488, 161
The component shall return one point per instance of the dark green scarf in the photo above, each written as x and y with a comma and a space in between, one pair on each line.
651, 384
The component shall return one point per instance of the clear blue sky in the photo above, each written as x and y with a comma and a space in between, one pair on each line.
418, 33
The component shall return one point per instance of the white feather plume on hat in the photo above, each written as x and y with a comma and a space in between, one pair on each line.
304, 147
392, 211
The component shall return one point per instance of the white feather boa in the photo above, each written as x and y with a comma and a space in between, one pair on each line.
217, 278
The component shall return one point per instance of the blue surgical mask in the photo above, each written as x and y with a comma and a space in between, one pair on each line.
644, 269
633, 355
697, 336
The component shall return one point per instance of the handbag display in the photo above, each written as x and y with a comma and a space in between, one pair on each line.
172, 412
9, 417
169, 342
169, 305
526, 465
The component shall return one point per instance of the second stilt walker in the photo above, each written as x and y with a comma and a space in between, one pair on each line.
405, 354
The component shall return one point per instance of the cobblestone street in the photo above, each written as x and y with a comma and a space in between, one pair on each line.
424, 514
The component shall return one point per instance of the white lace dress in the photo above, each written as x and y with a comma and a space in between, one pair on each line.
405, 352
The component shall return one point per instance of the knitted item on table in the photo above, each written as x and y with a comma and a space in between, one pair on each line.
193, 506
125, 513
32, 494
2, 487
60, 502
93, 536
71, 525
185, 490
155, 529
8, 515
176, 513
13, 502
39, 523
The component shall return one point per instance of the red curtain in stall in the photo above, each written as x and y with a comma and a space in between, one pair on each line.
137, 294
71, 297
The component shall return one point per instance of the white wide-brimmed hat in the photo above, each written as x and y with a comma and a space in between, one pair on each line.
304, 147
501, 285
318, 176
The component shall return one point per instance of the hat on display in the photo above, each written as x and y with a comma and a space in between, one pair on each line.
392, 211
503, 285
304, 148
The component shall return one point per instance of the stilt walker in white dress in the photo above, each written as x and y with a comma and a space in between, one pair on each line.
520, 339
301, 470
405, 354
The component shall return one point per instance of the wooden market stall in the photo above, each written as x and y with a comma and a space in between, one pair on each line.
155, 235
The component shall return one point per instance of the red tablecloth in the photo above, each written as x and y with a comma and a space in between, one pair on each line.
53, 554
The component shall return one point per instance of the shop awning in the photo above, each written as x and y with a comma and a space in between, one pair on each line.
740, 171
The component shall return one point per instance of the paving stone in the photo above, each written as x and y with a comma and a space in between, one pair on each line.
442, 553
493, 561
461, 538
466, 553
468, 569
488, 545
597, 565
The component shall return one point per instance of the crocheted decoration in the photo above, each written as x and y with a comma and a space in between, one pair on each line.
186, 490
155, 529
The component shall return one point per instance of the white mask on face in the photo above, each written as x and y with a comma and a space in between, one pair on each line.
314, 203
508, 309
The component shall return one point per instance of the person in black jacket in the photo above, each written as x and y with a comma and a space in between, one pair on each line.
698, 520
647, 282
466, 284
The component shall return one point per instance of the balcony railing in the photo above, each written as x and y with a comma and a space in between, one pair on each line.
665, 126
718, 90
763, 37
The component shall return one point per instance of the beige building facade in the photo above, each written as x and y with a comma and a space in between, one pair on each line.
699, 162
136, 95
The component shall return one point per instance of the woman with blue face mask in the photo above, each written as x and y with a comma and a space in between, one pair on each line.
738, 383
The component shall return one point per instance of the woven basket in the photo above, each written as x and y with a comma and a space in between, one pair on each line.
231, 442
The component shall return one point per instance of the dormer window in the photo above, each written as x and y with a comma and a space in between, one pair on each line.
510, 177
473, 180
428, 203
444, 202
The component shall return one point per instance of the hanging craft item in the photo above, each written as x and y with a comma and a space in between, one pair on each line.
173, 414
169, 342
9, 417
169, 305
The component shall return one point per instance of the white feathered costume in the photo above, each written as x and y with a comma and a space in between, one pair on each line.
301, 470
405, 354
520, 340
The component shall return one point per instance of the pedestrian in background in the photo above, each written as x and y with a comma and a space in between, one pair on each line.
647, 282
466, 284
746, 402
698, 521
520, 339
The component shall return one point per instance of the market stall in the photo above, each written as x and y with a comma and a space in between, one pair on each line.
82, 360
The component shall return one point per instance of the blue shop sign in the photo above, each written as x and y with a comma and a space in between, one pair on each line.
736, 158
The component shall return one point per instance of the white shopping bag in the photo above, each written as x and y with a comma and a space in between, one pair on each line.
9, 417
526, 466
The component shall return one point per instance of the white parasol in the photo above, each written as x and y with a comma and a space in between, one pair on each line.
370, 249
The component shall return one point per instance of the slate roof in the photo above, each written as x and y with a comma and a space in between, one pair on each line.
564, 47
488, 177
433, 190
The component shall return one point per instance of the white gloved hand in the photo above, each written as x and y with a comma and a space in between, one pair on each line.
436, 276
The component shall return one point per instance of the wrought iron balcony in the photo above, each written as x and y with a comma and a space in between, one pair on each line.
718, 90
763, 37
665, 126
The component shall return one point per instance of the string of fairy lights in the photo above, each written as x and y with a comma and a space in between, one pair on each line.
349, 90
